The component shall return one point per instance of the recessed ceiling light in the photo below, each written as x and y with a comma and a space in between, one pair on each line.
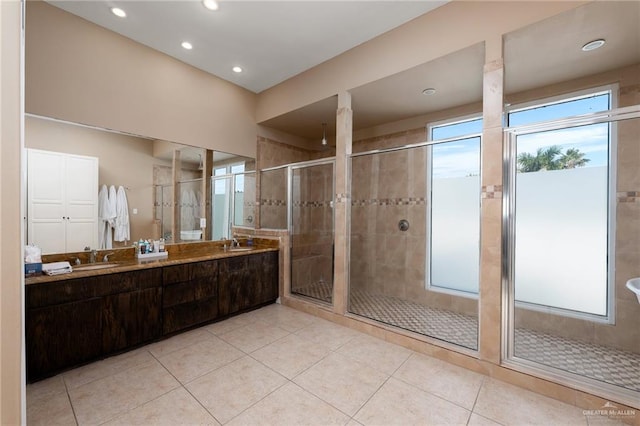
236, 69
187, 45
593, 45
429, 91
210, 4
118, 12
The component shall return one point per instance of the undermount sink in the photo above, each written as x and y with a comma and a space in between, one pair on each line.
240, 249
93, 266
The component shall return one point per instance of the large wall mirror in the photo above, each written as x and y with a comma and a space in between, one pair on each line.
169, 187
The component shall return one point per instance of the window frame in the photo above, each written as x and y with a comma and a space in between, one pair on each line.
429, 285
511, 134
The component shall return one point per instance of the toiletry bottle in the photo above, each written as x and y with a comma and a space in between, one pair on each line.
161, 246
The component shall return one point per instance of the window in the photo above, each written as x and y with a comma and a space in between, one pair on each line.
228, 199
453, 218
561, 180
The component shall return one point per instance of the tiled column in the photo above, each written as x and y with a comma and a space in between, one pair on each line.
344, 137
491, 209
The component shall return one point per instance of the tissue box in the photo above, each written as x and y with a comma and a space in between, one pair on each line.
32, 268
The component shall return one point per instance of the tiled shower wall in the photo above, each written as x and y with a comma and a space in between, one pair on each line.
312, 238
273, 199
387, 188
272, 185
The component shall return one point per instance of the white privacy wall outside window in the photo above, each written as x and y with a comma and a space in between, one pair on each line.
561, 239
453, 243
561, 212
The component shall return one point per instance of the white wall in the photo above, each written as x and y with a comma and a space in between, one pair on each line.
561, 239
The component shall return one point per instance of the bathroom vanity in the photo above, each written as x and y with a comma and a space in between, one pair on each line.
89, 314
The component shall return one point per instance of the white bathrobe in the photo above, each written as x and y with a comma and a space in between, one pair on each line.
122, 216
106, 213
112, 217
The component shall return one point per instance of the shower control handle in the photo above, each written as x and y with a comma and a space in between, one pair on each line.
403, 225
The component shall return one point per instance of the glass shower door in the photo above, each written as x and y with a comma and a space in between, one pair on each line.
311, 229
221, 206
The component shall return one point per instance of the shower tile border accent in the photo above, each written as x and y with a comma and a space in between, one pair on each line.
628, 196
491, 191
312, 203
277, 203
405, 201
342, 198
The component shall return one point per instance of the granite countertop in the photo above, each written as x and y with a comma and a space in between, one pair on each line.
125, 261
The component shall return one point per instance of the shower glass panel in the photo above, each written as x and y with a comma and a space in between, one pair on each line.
574, 242
394, 194
164, 209
454, 216
244, 185
190, 204
311, 230
273, 198
221, 206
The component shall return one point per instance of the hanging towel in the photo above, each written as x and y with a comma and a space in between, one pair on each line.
112, 217
122, 216
104, 216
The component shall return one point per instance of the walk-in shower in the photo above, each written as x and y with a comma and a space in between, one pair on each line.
311, 227
573, 241
415, 238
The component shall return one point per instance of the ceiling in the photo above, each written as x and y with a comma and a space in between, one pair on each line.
296, 35
544, 53
270, 40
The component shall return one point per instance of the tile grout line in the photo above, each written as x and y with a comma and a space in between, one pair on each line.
73, 410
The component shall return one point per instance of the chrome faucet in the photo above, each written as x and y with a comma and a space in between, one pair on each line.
106, 257
92, 254
234, 242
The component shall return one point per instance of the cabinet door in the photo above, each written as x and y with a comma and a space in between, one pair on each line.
233, 285
46, 201
190, 295
265, 278
130, 318
62, 193
62, 336
81, 189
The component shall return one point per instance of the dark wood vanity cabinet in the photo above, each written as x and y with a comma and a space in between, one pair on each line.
263, 276
235, 285
62, 335
202, 292
74, 321
247, 282
131, 309
63, 325
190, 295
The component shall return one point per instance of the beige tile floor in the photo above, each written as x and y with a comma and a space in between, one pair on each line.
278, 366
